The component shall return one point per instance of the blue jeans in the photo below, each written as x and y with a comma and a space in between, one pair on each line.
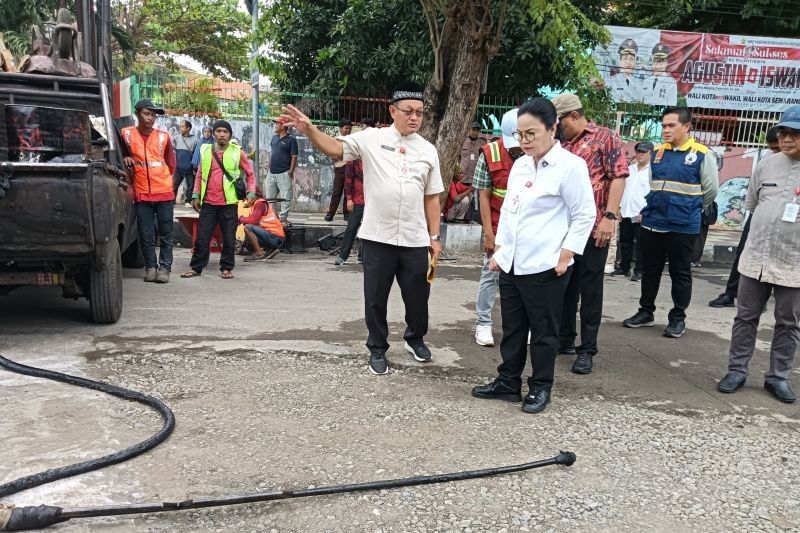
487, 292
148, 215
265, 238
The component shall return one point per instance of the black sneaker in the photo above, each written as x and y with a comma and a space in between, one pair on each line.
583, 364
636, 276
420, 352
723, 300
619, 272
640, 320
378, 364
536, 401
567, 351
675, 329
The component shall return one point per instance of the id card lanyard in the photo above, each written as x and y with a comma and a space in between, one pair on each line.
790, 211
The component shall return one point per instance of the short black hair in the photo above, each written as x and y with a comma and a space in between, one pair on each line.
772, 135
345, 122
368, 122
684, 115
187, 124
541, 108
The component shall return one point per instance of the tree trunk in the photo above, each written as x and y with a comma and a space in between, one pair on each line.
451, 107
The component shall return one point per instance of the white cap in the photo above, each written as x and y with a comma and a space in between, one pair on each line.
508, 125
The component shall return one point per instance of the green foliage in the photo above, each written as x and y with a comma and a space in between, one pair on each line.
776, 18
367, 46
16, 19
212, 32
199, 97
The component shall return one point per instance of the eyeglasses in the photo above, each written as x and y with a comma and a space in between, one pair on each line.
408, 112
529, 135
788, 132
565, 115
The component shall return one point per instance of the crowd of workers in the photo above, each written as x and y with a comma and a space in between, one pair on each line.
550, 193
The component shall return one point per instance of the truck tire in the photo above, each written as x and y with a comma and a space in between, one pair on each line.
105, 287
133, 256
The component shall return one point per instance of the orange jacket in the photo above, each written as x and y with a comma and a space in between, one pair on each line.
152, 175
262, 214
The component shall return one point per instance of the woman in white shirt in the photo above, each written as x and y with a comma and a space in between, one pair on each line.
547, 216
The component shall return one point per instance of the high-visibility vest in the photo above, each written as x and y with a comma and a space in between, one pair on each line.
675, 200
151, 174
269, 222
499, 164
231, 159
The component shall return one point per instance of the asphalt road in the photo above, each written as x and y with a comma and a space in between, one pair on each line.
267, 375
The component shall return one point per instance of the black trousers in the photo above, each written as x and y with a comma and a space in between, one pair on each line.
382, 263
732, 287
530, 302
227, 217
629, 245
180, 177
338, 192
656, 249
353, 223
585, 285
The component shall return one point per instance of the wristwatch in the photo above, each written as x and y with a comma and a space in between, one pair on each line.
610, 215
436, 238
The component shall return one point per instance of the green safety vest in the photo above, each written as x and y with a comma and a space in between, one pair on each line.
230, 160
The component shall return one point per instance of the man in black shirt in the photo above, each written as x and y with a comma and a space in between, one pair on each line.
282, 162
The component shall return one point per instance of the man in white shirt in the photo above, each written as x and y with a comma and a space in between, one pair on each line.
402, 183
636, 188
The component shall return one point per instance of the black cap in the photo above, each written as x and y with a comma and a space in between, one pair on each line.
222, 124
660, 51
629, 46
476, 126
146, 103
644, 146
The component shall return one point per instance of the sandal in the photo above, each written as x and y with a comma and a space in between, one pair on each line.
226, 274
254, 257
191, 273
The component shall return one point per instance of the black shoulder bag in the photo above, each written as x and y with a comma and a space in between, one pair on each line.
238, 183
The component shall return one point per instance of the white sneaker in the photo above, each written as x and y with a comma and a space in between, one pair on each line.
483, 335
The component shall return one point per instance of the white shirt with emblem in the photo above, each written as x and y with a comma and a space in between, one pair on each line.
548, 207
399, 171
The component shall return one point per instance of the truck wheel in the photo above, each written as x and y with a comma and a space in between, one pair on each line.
105, 287
133, 256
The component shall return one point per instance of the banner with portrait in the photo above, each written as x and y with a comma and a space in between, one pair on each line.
665, 68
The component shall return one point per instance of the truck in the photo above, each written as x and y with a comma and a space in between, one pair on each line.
66, 199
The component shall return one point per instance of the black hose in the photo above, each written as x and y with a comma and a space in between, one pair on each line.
47, 476
25, 518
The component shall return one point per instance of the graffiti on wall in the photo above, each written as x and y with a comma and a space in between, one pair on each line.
313, 178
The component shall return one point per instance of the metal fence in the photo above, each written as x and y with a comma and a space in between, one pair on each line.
209, 97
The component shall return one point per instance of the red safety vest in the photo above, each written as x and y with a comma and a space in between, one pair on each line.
499, 164
151, 174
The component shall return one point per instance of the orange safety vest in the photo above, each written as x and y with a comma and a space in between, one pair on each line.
269, 222
499, 164
151, 174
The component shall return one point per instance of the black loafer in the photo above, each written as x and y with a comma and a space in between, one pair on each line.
567, 351
420, 352
583, 364
732, 382
536, 401
723, 300
497, 390
781, 390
